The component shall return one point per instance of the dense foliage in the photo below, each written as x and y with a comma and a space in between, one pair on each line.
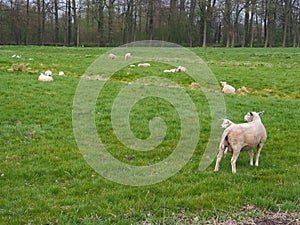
187, 22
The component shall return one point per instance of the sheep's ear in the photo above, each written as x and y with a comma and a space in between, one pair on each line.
251, 114
260, 113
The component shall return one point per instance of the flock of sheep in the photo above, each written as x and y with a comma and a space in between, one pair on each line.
235, 138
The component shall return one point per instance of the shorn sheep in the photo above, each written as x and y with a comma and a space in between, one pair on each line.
227, 89
244, 136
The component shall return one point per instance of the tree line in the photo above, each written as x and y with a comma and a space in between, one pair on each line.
228, 23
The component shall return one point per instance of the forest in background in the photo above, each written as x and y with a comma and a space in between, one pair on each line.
222, 23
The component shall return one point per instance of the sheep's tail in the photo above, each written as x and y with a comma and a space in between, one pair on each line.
224, 135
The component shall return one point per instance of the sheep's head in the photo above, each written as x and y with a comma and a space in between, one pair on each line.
251, 116
226, 123
48, 73
223, 83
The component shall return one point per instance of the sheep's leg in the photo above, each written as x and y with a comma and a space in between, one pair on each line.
233, 160
226, 148
219, 157
251, 157
259, 148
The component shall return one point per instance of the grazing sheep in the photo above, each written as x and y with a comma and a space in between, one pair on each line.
244, 136
227, 89
43, 77
127, 56
144, 65
112, 56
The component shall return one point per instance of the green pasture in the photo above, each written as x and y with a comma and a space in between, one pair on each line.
44, 178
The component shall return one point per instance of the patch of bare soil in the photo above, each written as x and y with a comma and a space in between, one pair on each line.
262, 218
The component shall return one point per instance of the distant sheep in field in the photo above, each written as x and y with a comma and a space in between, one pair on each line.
178, 69
61, 73
127, 56
144, 65
112, 56
170, 71
181, 69
44, 77
244, 136
227, 89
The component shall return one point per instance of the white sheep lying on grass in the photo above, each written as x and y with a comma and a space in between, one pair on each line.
227, 89
144, 65
181, 69
44, 77
244, 136
175, 70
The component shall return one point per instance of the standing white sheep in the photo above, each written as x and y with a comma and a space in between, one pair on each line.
127, 56
227, 89
244, 136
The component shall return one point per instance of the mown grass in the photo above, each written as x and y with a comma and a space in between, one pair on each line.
44, 178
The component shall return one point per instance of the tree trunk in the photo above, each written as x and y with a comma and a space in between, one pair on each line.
191, 22
27, 23
56, 29
227, 25
246, 25
69, 23
100, 23
150, 17
110, 21
75, 23
43, 22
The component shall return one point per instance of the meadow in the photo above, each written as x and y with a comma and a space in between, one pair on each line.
44, 178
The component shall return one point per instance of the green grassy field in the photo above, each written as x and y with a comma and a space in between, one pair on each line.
45, 179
